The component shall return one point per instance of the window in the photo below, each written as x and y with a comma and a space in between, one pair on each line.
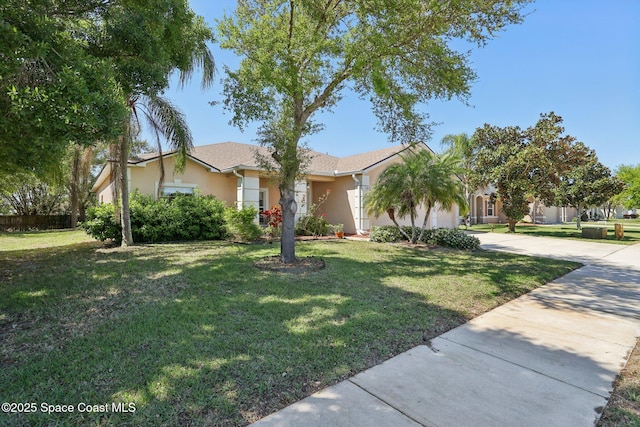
263, 205
170, 190
490, 208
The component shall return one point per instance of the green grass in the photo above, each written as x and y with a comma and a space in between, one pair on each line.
193, 333
623, 408
41, 239
569, 231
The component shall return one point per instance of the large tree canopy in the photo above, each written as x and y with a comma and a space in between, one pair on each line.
525, 163
587, 183
79, 71
298, 56
53, 91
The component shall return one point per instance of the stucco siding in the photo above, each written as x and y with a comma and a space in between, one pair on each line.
339, 205
105, 192
222, 186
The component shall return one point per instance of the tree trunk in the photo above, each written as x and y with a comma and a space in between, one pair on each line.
512, 225
424, 223
414, 234
467, 218
288, 241
578, 225
125, 218
392, 216
74, 190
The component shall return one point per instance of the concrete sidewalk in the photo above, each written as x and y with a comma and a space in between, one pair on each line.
548, 358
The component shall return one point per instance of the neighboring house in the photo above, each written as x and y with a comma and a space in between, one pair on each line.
229, 171
484, 211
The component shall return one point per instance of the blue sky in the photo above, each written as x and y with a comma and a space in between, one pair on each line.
578, 58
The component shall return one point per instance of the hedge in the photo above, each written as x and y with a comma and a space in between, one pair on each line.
184, 217
449, 237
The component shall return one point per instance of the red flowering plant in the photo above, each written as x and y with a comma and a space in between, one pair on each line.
273, 217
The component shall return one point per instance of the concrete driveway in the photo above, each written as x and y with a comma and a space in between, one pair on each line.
548, 358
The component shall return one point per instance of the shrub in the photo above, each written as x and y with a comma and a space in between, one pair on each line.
101, 223
386, 234
310, 225
241, 223
453, 238
273, 217
450, 237
181, 218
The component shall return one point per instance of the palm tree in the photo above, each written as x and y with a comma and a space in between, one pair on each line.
422, 179
168, 124
464, 148
146, 43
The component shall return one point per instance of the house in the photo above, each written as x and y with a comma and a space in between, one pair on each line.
485, 209
229, 171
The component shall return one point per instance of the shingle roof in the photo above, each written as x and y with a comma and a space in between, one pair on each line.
228, 155
363, 161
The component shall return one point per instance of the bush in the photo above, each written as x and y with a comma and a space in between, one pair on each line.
311, 225
453, 238
450, 237
386, 234
181, 218
241, 223
101, 223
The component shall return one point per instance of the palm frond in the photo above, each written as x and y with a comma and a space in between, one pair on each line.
168, 122
202, 58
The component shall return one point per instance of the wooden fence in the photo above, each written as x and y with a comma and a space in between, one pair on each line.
34, 222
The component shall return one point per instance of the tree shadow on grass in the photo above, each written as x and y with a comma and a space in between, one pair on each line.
194, 334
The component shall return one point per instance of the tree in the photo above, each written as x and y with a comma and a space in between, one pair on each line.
27, 194
630, 195
54, 91
147, 42
80, 180
587, 184
423, 179
463, 147
524, 163
299, 56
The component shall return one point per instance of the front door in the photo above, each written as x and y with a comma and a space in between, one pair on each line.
479, 209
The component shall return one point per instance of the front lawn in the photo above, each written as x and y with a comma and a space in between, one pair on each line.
194, 334
41, 239
569, 231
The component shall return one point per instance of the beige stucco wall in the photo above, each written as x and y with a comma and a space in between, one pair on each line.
550, 214
105, 192
339, 205
144, 179
222, 186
